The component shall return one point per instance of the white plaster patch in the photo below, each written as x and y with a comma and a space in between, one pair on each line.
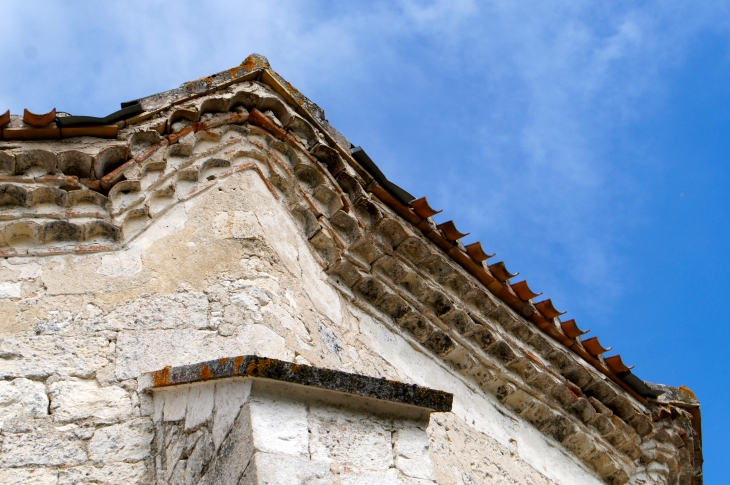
129, 261
27, 270
10, 290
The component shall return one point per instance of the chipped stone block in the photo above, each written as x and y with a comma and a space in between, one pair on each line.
127, 442
229, 397
410, 447
517, 399
438, 302
279, 426
582, 409
642, 424
177, 310
346, 225
345, 273
414, 285
22, 397
601, 389
29, 476
111, 474
41, 446
502, 352
370, 288
539, 414
83, 399
199, 407
45, 355
350, 439
578, 375
561, 428
325, 246
414, 249
368, 212
419, 326
394, 306
581, 443
367, 248
563, 394
391, 232
266, 468
440, 343
483, 337
461, 321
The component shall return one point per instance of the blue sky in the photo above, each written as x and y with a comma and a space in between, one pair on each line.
583, 142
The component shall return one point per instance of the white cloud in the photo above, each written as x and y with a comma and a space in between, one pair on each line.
506, 113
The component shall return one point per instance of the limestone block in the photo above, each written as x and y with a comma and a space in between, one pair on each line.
234, 453
41, 446
147, 351
175, 403
10, 290
279, 426
351, 439
200, 405
127, 442
28, 476
113, 474
410, 447
229, 397
177, 310
390, 477
22, 396
78, 399
270, 469
45, 355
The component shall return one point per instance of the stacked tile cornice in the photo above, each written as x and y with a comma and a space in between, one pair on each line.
385, 256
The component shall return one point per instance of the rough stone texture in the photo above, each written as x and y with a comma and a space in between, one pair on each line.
22, 397
127, 442
272, 438
83, 399
250, 233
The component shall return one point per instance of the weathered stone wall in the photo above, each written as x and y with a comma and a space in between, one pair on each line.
227, 432
225, 238
225, 273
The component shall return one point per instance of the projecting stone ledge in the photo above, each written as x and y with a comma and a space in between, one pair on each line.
314, 377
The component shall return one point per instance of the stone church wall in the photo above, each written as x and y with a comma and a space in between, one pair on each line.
226, 273
236, 228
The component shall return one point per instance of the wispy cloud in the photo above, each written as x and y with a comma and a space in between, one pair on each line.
507, 113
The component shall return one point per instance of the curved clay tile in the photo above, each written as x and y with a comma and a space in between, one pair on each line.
546, 308
594, 347
421, 207
524, 291
477, 253
499, 270
450, 231
616, 364
5, 119
39, 121
570, 328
